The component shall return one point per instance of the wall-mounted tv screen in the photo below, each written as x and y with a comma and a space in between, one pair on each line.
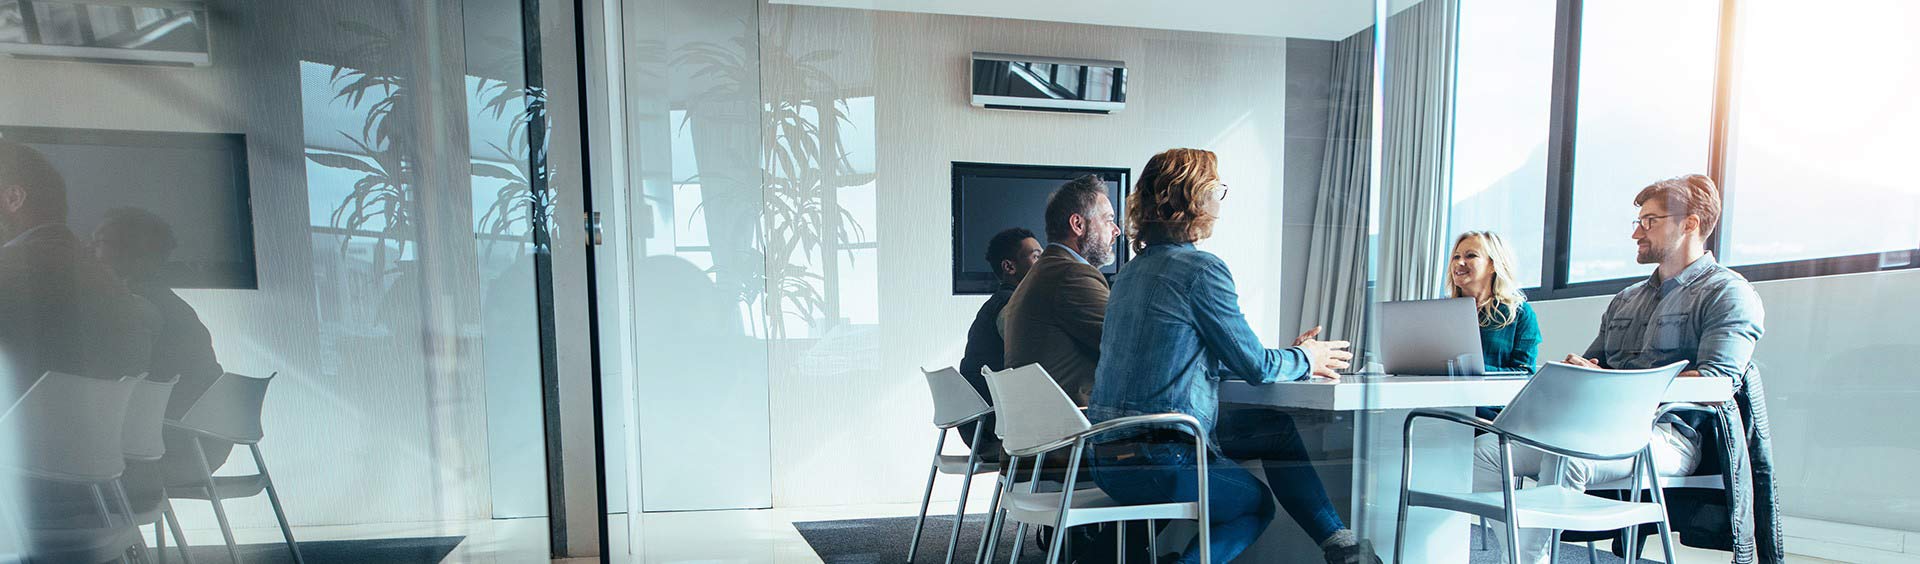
197, 182
989, 198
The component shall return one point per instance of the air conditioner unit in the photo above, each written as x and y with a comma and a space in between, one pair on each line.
142, 32
1048, 84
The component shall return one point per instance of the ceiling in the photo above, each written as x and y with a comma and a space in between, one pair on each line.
1310, 19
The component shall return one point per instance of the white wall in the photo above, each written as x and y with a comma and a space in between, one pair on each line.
1837, 360
850, 412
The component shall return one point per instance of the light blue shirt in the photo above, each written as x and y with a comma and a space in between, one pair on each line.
1071, 252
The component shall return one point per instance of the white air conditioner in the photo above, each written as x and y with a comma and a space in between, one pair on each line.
1050, 84
142, 32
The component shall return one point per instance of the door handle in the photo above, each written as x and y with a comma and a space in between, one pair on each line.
596, 232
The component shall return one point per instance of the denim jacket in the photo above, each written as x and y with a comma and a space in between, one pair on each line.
1173, 331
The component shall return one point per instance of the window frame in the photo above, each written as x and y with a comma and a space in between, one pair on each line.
1564, 111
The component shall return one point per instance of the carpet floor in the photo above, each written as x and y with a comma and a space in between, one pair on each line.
426, 550
884, 540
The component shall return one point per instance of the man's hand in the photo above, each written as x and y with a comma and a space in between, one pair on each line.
1307, 336
1575, 360
1327, 357
1690, 374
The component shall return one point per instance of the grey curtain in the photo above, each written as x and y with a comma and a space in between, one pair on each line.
1417, 167
1335, 296
1342, 276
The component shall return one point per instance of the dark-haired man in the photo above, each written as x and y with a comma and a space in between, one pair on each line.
1011, 254
1055, 317
60, 310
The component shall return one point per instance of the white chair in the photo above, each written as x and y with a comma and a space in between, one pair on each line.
1713, 481
142, 442
955, 403
1568, 411
229, 411
67, 429
1036, 417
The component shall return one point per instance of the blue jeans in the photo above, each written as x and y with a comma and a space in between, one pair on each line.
1240, 507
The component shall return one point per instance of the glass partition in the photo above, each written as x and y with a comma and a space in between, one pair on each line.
248, 236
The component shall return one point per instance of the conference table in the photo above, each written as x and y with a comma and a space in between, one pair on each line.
1353, 428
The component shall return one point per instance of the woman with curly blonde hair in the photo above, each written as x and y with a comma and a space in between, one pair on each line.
1173, 330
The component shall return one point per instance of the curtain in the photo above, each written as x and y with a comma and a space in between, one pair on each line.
1342, 275
1417, 161
1336, 286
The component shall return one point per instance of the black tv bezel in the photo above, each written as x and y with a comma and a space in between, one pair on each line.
976, 283
178, 274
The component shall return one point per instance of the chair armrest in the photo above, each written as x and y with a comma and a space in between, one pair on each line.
967, 419
1443, 415
1180, 419
1677, 407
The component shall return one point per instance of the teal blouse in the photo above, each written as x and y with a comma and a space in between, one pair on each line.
1513, 347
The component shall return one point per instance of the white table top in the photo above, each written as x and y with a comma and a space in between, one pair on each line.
1368, 392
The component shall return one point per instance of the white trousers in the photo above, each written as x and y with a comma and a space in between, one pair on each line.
1673, 455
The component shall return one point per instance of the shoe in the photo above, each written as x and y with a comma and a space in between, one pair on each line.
1359, 553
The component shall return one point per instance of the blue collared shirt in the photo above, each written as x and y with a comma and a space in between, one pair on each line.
1070, 252
1706, 315
1173, 331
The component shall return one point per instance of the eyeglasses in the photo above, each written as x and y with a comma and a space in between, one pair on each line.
1220, 191
1647, 221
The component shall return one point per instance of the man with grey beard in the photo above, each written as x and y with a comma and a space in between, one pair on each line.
1055, 317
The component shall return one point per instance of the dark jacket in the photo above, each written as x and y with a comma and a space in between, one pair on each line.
62, 311
1054, 319
1745, 519
985, 349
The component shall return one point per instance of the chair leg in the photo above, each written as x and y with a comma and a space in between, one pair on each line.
1152, 543
1593, 556
1484, 532
1120, 548
160, 540
213, 496
991, 533
173, 524
1506, 489
100, 504
1553, 550
1020, 542
960, 513
913, 547
273, 497
120, 493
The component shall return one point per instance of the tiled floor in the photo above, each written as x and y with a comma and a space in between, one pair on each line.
746, 537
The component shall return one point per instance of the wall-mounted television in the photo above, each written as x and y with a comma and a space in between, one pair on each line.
989, 198
197, 182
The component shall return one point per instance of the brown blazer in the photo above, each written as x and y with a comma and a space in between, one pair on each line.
1054, 319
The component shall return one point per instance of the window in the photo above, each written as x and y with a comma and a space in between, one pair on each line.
1646, 77
1805, 137
1501, 124
1816, 124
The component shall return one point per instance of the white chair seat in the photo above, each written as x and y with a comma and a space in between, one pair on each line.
957, 464
1545, 507
1090, 505
1707, 482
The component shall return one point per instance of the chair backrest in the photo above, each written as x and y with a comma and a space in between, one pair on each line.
1030, 409
1604, 413
230, 409
146, 414
67, 428
954, 400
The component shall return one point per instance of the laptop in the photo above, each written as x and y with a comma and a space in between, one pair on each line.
1434, 338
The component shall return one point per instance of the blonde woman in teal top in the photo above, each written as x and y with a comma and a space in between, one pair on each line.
1481, 268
